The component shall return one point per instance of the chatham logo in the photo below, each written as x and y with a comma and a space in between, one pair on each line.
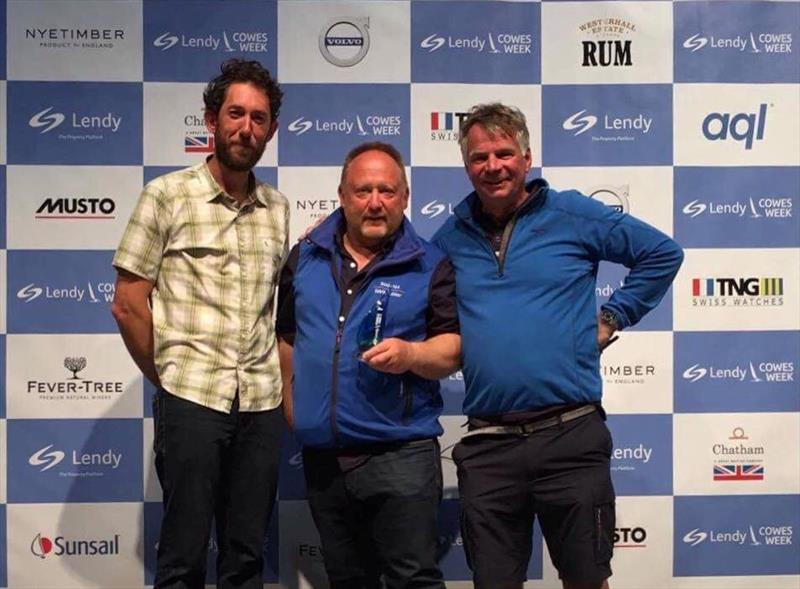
607, 49
376, 125
46, 458
46, 119
497, 43
737, 460
750, 42
344, 41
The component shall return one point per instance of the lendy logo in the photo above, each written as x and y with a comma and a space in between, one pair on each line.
695, 42
48, 120
747, 127
694, 208
244, 41
45, 458
579, 123
165, 41
496, 43
377, 125
752, 42
42, 546
29, 292
639, 453
434, 208
694, 373
754, 372
300, 126
344, 41
93, 293
694, 537
769, 207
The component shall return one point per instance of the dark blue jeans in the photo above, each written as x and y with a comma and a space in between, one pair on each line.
212, 464
377, 522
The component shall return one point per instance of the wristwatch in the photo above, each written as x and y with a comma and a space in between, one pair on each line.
609, 318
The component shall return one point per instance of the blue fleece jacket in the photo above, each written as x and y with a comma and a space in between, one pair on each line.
528, 319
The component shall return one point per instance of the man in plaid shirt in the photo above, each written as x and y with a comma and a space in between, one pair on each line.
197, 268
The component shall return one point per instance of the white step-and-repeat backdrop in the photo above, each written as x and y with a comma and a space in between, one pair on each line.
684, 113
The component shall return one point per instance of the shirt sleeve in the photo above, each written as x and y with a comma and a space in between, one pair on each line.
142, 246
285, 324
442, 314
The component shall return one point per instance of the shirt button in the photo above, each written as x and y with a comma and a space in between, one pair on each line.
352, 264
341, 318
349, 291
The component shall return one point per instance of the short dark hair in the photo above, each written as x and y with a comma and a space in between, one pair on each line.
386, 148
495, 117
241, 70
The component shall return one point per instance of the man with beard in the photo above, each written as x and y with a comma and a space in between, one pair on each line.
197, 269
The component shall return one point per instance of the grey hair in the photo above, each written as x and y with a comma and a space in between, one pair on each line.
495, 117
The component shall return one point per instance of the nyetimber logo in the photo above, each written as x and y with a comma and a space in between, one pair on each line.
46, 119
579, 123
45, 458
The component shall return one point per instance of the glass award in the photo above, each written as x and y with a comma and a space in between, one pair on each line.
370, 332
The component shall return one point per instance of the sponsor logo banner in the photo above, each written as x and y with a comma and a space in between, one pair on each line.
641, 459
74, 460
75, 123
60, 291
747, 207
89, 40
745, 535
642, 536
489, 42
736, 125
744, 371
436, 192
611, 277
607, 125
607, 42
736, 42
185, 41
153, 513
321, 133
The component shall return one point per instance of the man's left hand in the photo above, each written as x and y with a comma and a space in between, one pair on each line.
392, 355
604, 334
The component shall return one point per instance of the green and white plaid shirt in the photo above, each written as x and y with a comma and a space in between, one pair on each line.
214, 267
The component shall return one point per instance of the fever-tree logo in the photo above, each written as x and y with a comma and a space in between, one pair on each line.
75, 365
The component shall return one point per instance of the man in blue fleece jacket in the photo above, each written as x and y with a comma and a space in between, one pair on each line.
526, 259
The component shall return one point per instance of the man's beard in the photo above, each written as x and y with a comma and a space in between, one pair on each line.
237, 163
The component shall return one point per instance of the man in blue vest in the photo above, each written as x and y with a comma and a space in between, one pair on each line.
526, 259
368, 420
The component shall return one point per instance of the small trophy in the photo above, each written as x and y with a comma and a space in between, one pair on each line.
370, 332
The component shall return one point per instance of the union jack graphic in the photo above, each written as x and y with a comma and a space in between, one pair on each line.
738, 472
198, 144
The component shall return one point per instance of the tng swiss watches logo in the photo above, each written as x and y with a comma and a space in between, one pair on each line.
78, 464
93, 292
76, 208
446, 126
738, 459
227, 42
749, 291
344, 41
611, 127
751, 535
755, 207
197, 138
744, 126
74, 37
750, 42
73, 387
609, 45
615, 197
753, 372
43, 547
630, 537
363, 125
79, 127
503, 43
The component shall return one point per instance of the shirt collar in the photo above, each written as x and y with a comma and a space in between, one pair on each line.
214, 190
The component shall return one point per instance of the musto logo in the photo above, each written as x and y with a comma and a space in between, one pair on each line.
42, 546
